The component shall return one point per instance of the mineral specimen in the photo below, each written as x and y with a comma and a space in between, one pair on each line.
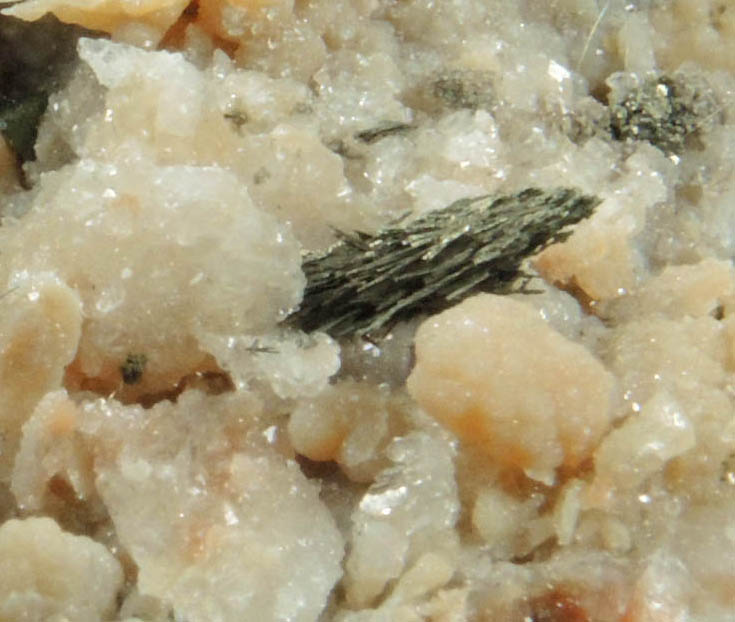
666, 111
563, 451
366, 282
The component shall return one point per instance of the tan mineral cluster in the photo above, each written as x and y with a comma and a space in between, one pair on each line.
174, 448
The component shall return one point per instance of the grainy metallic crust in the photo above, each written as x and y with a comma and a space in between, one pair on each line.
664, 110
366, 282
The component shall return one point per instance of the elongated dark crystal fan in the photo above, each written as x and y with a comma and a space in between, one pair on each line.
366, 282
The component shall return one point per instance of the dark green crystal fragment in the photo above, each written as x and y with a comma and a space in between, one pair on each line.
366, 282
36, 59
19, 123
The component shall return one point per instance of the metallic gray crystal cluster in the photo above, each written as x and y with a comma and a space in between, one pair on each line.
366, 282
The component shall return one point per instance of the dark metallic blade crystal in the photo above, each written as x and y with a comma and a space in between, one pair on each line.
365, 282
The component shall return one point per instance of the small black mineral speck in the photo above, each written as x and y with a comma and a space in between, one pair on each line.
261, 176
238, 118
132, 368
388, 128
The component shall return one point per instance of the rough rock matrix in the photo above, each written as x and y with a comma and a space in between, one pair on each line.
173, 447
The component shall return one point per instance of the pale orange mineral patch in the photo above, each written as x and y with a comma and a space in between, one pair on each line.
503, 380
40, 328
105, 15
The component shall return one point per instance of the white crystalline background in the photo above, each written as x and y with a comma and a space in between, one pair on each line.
562, 455
48, 574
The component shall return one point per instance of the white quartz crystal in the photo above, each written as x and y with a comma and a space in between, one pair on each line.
210, 511
141, 246
49, 574
644, 443
351, 423
40, 328
292, 364
411, 508
508, 526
